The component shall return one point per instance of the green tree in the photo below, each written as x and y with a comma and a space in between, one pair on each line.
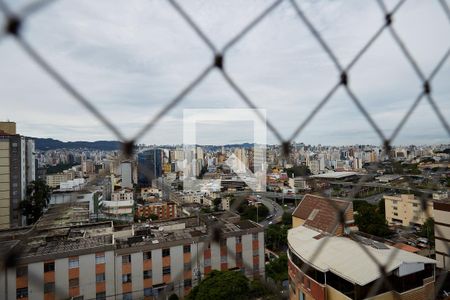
276, 237
277, 269
298, 171
37, 198
370, 221
427, 229
221, 285
287, 219
173, 297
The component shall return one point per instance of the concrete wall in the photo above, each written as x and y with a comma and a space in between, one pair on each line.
87, 276
137, 276
62, 278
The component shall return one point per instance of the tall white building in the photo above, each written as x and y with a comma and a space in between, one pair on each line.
127, 174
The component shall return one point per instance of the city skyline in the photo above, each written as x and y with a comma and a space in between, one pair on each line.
132, 68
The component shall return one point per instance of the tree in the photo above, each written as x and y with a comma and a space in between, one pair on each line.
287, 219
221, 285
174, 297
276, 237
37, 198
298, 171
370, 220
427, 229
277, 268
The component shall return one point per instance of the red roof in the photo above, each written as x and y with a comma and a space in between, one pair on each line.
321, 212
406, 247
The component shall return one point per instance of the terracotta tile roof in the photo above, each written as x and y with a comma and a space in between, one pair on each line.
320, 212
406, 247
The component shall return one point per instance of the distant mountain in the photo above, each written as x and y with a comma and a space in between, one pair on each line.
51, 144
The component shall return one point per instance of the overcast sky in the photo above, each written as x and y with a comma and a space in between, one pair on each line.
131, 57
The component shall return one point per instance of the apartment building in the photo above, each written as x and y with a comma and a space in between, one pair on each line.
164, 210
120, 205
70, 258
328, 263
55, 180
406, 210
17, 170
442, 232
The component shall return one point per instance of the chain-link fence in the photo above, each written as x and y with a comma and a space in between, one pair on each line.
16, 19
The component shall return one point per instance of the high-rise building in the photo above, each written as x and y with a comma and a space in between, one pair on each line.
441, 208
17, 170
127, 174
149, 166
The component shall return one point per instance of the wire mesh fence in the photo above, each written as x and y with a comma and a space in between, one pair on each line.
14, 21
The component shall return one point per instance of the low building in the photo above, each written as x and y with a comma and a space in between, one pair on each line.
163, 210
406, 210
442, 233
66, 257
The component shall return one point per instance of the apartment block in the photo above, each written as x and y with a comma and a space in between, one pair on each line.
442, 232
164, 210
17, 170
55, 180
70, 258
406, 210
325, 262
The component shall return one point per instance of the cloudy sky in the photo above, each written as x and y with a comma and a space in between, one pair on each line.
132, 57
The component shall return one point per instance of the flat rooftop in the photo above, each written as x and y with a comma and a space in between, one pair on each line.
335, 175
346, 257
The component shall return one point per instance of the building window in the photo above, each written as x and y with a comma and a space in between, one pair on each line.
49, 287
223, 259
166, 252
238, 240
21, 293
255, 236
147, 274
187, 283
223, 243
207, 262
126, 259
127, 296
100, 296
100, 277
148, 292
21, 271
394, 207
49, 267
395, 214
75, 282
187, 249
166, 271
100, 258
74, 263
415, 204
255, 252
239, 256
126, 278
187, 267
147, 255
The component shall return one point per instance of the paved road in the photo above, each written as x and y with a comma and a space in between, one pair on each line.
274, 209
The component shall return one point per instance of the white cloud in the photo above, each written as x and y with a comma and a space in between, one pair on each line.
131, 57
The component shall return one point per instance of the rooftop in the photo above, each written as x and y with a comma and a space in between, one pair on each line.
320, 212
346, 257
335, 175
